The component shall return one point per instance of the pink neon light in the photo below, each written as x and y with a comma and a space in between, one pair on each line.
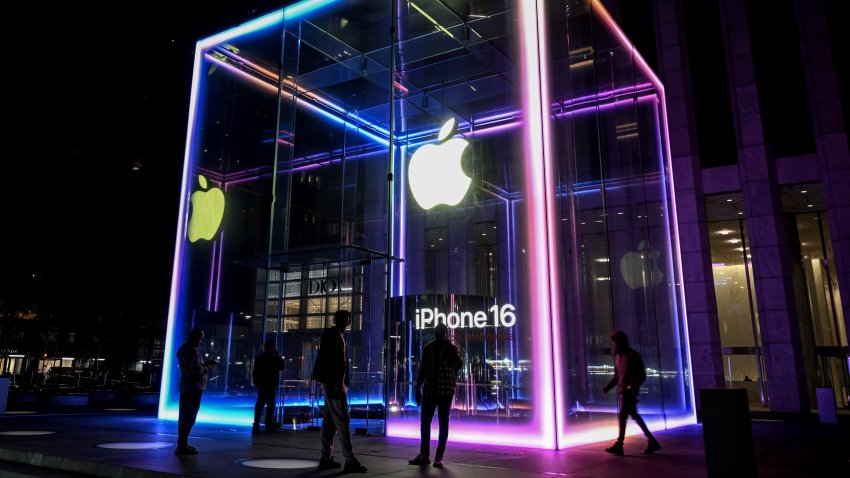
535, 104
465, 432
677, 257
644, 66
600, 9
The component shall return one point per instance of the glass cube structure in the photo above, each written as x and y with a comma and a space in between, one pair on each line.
500, 166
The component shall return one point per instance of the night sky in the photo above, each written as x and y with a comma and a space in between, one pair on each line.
93, 136
95, 102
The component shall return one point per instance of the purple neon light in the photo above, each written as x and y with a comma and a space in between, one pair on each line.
535, 101
644, 66
540, 190
182, 219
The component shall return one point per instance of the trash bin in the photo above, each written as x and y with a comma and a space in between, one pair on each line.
727, 432
4, 394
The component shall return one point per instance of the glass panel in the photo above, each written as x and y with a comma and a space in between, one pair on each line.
824, 335
616, 226
533, 213
737, 310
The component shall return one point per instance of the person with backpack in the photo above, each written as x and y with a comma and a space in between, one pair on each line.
629, 375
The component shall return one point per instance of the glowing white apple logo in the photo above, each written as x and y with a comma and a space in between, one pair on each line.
434, 172
636, 267
207, 211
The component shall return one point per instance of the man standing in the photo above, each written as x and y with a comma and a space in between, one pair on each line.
193, 381
438, 372
331, 370
267, 367
629, 375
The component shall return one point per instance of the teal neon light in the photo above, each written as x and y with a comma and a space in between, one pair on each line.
304, 8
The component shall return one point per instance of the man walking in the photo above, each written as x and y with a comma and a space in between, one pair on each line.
331, 370
193, 381
438, 373
629, 375
267, 367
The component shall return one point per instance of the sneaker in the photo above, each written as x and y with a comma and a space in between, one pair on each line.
354, 466
616, 449
186, 450
438, 462
652, 447
329, 464
420, 460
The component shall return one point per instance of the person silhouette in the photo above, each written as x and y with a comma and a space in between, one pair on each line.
193, 382
266, 375
629, 375
331, 370
438, 373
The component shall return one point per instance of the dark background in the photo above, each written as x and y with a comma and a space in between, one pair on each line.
95, 102
94, 106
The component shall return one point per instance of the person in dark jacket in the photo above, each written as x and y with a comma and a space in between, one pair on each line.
193, 382
267, 367
629, 375
438, 373
331, 370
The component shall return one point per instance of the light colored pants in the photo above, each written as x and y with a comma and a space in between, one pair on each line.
335, 420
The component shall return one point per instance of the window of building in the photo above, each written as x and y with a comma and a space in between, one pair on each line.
737, 310
783, 98
824, 337
710, 84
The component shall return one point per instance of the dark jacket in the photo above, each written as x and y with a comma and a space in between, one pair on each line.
629, 372
193, 372
438, 369
331, 366
267, 367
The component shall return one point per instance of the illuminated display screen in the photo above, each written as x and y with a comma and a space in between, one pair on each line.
472, 170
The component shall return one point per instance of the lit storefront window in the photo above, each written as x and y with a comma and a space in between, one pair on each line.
470, 169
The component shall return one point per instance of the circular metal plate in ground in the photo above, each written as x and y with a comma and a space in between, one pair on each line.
279, 463
135, 445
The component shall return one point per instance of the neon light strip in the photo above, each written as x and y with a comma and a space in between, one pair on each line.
303, 8
677, 257
535, 105
600, 9
252, 26
271, 19
430, 19
668, 162
548, 183
182, 219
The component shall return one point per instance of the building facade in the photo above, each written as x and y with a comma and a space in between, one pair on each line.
761, 164
500, 166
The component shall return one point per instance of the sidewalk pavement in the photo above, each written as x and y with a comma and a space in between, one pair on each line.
783, 449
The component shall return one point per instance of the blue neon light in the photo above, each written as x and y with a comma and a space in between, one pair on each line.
304, 8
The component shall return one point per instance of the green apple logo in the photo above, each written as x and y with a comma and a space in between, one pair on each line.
207, 211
